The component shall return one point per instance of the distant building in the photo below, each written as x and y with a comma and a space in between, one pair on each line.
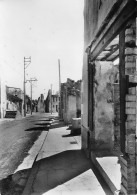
70, 101
52, 103
14, 99
47, 102
11, 99
41, 104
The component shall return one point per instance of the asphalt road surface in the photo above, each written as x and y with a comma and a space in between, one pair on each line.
16, 138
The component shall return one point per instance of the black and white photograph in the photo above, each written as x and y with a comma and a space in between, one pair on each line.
68, 97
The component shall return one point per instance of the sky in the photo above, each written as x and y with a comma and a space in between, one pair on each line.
46, 30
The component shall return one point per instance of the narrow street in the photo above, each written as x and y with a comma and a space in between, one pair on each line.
60, 167
17, 137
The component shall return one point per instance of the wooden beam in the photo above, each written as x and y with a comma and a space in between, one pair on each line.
116, 9
113, 56
114, 29
113, 50
113, 59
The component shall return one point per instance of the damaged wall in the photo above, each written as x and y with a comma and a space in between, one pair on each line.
71, 111
70, 99
41, 105
95, 13
84, 94
105, 77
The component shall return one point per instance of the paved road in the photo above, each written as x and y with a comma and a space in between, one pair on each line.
16, 138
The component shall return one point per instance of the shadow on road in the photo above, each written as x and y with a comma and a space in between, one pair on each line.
72, 134
45, 124
57, 125
38, 129
52, 172
41, 120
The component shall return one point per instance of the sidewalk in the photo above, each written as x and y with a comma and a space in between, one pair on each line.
61, 168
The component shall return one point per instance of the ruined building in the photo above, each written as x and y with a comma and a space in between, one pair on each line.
70, 100
41, 105
52, 102
109, 100
11, 101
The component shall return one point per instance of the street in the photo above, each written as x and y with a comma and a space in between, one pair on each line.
16, 138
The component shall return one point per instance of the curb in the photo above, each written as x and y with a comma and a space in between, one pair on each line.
28, 187
104, 175
33, 172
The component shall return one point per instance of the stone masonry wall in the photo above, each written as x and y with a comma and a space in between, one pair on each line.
128, 161
104, 105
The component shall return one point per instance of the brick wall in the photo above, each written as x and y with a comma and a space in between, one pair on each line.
128, 161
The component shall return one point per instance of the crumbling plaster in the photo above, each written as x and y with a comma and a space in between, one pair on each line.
105, 77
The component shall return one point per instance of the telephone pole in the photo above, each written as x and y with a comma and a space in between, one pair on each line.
27, 61
31, 82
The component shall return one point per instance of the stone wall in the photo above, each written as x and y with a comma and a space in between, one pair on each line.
71, 111
128, 160
70, 99
105, 76
95, 13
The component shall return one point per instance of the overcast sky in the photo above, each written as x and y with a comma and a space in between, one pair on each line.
46, 30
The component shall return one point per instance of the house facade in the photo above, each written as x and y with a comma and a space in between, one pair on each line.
14, 97
109, 85
52, 102
11, 100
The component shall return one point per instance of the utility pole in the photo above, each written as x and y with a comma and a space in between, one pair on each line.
51, 98
27, 61
31, 97
31, 82
59, 89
